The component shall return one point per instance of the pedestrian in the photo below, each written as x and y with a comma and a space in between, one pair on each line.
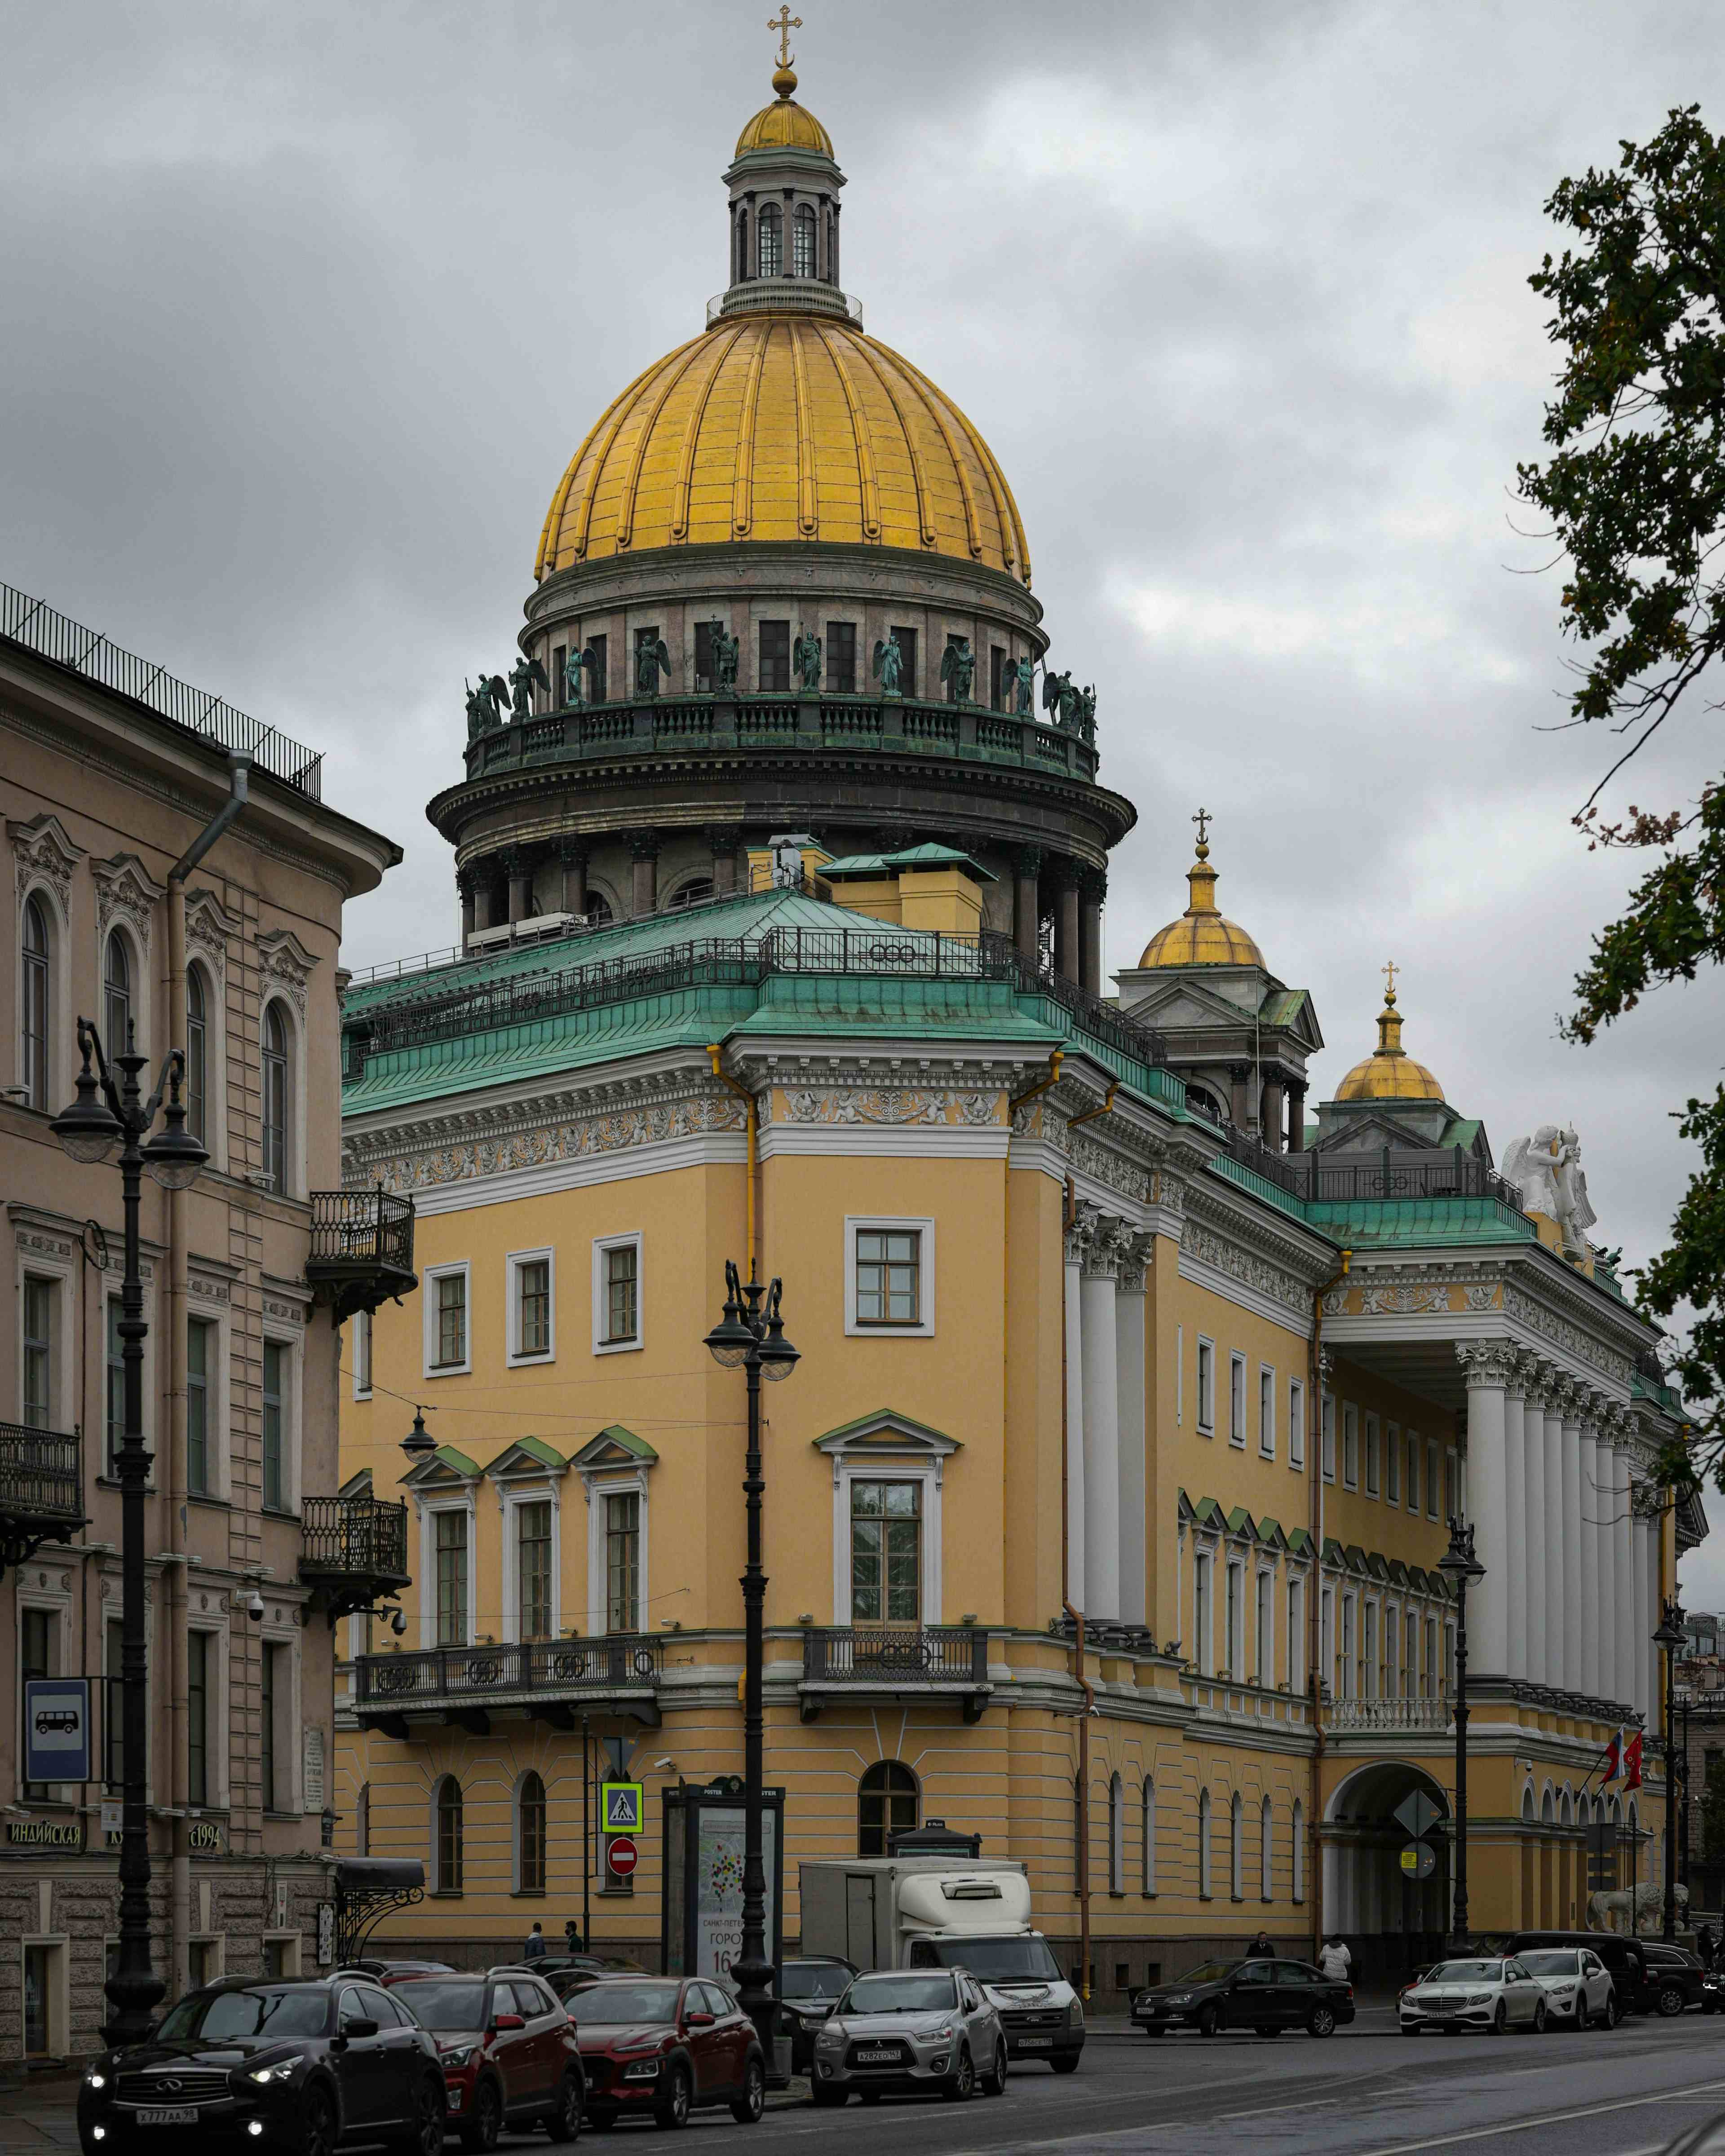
1335, 1961
1706, 1945
1261, 1948
535, 1949
571, 1937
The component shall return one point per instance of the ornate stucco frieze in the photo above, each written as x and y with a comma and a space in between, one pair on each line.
1573, 1341
41, 850
971, 1108
208, 927
1250, 1268
1107, 1165
127, 891
1440, 1297
286, 964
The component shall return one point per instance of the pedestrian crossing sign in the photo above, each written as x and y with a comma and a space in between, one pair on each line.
620, 1807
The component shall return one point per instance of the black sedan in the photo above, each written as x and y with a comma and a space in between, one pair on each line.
1263, 1996
310, 2066
808, 1992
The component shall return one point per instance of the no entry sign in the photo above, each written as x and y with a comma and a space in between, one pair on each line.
622, 1856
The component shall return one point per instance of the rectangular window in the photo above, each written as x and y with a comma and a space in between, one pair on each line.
559, 676
113, 1707
1371, 1455
451, 1540
532, 1306
533, 1570
623, 1562
1296, 1635
841, 658
1237, 1400
885, 1552
705, 670
274, 1419
598, 683
200, 1368
1393, 1462
907, 641
198, 1647
362, 1355
1206, 1389
36, 1659
1369, 1685
1428, 1684
1265, 1670
773, 667
889, 1276
1327, 1636
116, 1387
1233, 1652
997, 678
1345, 1670
1392, 1653
1201, 1638
451, 1320
1328, 1440
38, 1351
1433, 1453
1266, 1412
622, 1293
1296, 1423
1350, 1445
267, 1677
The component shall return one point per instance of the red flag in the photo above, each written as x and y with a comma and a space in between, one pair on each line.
1614, 1758
1632, 1764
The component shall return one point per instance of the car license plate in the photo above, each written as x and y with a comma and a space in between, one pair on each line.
1036, 2043
877, 2058
167, 2114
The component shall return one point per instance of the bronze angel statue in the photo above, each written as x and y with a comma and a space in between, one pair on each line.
524, 677
1059, 697
1021, 680
889, 664
959, 667
574, 695
805, 654
486, 704
727, 650
652, 658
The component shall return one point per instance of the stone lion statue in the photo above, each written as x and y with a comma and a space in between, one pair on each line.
1610, 1912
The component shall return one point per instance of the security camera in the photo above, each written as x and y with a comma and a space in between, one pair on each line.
253, 1606
398, 1622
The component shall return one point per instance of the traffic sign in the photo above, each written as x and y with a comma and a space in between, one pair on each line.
57, 1729
1419, 1860
623, 1856
621, 1807
1417, 1813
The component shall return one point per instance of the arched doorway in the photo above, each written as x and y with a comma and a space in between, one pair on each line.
1390, 1921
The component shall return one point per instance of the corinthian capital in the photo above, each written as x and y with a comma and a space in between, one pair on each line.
1486, 1363
1134, 1256
1085, 1219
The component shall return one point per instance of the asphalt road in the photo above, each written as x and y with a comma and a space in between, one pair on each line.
1365, 2091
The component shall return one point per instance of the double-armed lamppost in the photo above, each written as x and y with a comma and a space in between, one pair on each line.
1671, 1636
750, 1336
105, 1114
1459, 1565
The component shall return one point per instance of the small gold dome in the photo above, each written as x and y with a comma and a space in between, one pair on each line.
1389, 1073
1201, 937
784, 124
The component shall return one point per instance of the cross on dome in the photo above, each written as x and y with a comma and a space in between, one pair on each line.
1202, 819
1388, 972
784, 81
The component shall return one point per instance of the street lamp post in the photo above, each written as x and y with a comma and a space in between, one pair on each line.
1459, 1564
102, 1115
1671, 1636
750, 1336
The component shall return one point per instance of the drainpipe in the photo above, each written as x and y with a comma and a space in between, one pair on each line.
715, 1049
174, 1583
1068, 1214
1314, 1615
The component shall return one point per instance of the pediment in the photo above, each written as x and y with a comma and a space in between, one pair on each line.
886, 1430
613, 1447
445, 1469
528, 1459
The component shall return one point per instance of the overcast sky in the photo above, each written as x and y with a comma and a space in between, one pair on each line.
304, 310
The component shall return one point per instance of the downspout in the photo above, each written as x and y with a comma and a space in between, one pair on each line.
715, 1049
1314, 1615
240, 765
1068, 1214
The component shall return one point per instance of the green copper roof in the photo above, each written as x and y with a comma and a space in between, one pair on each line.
613, 1437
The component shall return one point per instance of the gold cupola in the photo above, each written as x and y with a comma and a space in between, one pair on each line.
1389, 1073
784, 124
1201, 937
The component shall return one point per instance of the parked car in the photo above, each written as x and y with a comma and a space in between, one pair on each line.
909, 2030
570, 1970
1578, 1989
309, 2066
1264, 1995
509, 2052
1490, 1992
1676, 1979
808, 1990
386, 1968
665, 2045
1623, 1957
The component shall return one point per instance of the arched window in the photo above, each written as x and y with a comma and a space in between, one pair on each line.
1566, 1816
276, 1092
1547, 1808
1206, 1103
598, 910
38, 1003
1236, 1848
530, 1835
362, 1822
1299, 1866
448, 1836
197, 1052
1117, 1837
116, 995
1527, 1802
803, 242
1266, 1852
885, 1804
1149, 1851
771, 229
1203, 1842
694, 892
743, 248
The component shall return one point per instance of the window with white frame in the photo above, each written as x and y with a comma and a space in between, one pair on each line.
1350, 1445
38, 1655
1237, 1400
1449, 1658
1266, 1411
885, 1552
277, 1725
119, 971
1428, 1672
1299, 1851
450, 1554
623, 1561
36, 1003
201, 1062
41, 1323
1148, 1853
1233, 1602
1327, 1441
536, 1614
278, 1107
1265, 1672
1392, 1653
203, 1365
1201, 1634
1296, 1424
1296, 1635
115, 1374
1206, 1387
889, 1276
1204, 1844
1452, 1495
1267, 1853
1347, 1659
1393, 1462
1116, 1834
1434, 1473
1369, 1685
202, 1663
279, 1421
1236, 1848
617, 1312
1327, 1635
1372, 1472
531, 1337
361, 1351
449, 1341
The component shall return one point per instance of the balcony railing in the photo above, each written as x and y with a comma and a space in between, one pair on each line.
861, 1658
41, 1489
1388, 1714
457, 1679
1394, 1173
361, 1249
364, 1539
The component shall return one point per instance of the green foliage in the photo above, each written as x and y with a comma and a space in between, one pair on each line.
1635, 491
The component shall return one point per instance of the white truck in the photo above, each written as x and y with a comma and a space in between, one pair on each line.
949, 1912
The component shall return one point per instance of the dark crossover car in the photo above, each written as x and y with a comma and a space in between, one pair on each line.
1265, 1995
307, 2066
509, 2053
1675, 1978
662, 2046
808, 1992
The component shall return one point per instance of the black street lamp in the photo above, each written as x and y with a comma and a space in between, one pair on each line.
751, 1337
1671, 1636
102, 1116
1459, 1564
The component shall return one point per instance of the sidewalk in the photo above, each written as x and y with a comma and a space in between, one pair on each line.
40, 2111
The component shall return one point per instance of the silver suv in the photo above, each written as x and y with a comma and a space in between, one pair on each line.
909, 2029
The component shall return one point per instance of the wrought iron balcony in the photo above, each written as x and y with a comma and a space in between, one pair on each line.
1394, 1173
1351, 1716
354, 1551
548, 1678
41, 1489
892, 1662
362, 1249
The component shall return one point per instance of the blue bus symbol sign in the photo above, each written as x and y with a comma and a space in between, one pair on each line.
57, 1729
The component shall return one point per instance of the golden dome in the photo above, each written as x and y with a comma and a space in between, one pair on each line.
1389, 1073
783, 427
784, 124
1201, 937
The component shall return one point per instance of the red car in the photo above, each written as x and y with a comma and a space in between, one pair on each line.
662, 2046
510, 2058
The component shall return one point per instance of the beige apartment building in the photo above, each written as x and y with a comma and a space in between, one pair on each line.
110, 770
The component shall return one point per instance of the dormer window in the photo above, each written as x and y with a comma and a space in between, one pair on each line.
772, 231
803, 242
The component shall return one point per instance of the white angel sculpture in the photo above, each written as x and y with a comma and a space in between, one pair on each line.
1547, 1170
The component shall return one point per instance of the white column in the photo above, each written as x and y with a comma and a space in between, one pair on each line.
1129, 1368
1556, 1648
1533, 1452
1596, 1510
1102, 1440
1075, 1244
1624, 1566
1641, 1639
1515, 1511
1488, 1363
1651, 1614
1576, 1595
